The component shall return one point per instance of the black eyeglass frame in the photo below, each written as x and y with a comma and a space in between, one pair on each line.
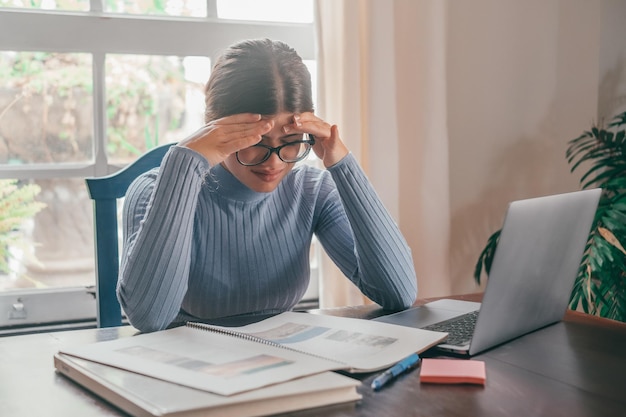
271, 150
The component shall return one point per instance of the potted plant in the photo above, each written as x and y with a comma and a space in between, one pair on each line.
600, 287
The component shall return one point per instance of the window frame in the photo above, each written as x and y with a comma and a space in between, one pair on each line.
112, 33
51, 31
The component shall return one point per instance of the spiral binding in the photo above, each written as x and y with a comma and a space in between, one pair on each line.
246, 336
252, 338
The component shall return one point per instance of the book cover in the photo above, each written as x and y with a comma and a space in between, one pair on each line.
143, 396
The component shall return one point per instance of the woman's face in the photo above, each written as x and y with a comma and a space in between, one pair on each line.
265, 177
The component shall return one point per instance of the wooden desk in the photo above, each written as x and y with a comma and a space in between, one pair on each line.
574, 368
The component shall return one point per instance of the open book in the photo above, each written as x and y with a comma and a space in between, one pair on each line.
227, 360
142, 396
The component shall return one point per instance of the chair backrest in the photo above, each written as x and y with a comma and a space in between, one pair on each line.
105, 191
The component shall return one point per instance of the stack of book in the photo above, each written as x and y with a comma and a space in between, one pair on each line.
280, 364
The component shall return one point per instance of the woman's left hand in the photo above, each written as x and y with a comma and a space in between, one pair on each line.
328, 145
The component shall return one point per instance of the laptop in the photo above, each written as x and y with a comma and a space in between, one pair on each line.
531, 279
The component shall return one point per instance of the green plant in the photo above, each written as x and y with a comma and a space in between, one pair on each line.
145, 97
600, 287
17, 203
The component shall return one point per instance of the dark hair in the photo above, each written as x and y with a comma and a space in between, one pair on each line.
258, 76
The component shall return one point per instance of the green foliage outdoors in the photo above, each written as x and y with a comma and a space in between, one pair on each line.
600, 287
144, 96
143, 92
17, 203
46, 108
48, 117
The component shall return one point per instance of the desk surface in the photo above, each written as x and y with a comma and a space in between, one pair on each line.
574, 368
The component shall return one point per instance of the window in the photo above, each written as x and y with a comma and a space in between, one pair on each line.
86, 87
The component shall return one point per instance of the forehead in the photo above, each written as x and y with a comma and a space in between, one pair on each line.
282, 118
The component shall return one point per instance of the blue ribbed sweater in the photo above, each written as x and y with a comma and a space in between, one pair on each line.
199, 245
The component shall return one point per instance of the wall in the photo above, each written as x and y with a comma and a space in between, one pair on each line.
612, 89
524, 77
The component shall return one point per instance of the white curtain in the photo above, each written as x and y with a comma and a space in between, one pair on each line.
381, 69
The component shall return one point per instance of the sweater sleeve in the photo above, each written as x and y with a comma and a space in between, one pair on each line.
159, 210
361, 237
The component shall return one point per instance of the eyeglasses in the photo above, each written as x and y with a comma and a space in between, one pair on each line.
289, 152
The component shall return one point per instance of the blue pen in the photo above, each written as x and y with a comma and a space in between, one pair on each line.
410, 362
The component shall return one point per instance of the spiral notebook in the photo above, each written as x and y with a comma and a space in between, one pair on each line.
227, 361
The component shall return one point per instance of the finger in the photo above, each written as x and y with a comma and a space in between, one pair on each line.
244, 136
320, 130
256, 129
308, 124
296, 120
334, 132
241, 130
228, 138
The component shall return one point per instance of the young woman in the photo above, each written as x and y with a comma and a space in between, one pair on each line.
223, 228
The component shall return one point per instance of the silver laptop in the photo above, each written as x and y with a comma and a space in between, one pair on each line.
533, 271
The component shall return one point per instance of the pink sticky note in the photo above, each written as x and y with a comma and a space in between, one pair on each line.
453, 371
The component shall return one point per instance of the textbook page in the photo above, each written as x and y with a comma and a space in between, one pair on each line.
362, 345
204, 360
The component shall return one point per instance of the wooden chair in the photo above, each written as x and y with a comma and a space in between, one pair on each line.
105, 191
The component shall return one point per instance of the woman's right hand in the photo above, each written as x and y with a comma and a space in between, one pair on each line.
222, 137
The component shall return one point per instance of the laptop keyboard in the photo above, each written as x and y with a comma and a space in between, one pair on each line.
460, 329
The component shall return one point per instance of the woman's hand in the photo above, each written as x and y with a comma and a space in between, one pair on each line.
222, 137
328, 145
